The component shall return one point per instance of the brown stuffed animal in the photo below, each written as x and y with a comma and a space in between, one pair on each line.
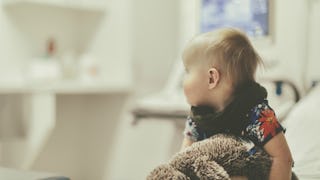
218, 157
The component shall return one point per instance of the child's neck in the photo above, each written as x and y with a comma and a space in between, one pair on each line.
223, 104
222, 98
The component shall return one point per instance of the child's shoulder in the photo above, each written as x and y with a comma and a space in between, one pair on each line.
263, 105
261, 108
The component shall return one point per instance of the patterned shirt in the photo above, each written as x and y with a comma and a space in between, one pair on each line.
262, 127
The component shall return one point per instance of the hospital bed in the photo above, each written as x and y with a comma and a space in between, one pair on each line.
302, 126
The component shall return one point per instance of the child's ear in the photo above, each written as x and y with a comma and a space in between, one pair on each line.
214, 77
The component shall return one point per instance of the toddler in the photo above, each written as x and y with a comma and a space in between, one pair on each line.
225, 98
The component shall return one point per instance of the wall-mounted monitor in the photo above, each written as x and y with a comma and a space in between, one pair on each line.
252, 16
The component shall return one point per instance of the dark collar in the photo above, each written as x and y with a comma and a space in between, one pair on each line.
233, 119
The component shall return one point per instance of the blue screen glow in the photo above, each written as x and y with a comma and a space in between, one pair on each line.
249, 15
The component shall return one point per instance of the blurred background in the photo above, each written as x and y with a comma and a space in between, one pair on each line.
91, 89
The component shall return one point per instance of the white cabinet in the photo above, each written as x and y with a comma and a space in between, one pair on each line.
80, 26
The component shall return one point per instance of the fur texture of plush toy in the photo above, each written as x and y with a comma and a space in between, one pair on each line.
216, 158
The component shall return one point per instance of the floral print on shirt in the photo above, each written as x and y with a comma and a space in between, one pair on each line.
263, 124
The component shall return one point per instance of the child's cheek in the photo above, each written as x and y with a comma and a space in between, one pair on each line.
187, 88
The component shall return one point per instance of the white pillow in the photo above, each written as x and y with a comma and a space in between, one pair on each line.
303, 124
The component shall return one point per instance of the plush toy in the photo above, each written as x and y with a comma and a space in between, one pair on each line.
218, 157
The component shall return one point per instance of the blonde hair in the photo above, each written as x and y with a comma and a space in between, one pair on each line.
229, 50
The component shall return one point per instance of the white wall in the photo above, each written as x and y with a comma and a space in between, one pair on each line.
313, 65
11, 42
291, 30
141, 147
155, 34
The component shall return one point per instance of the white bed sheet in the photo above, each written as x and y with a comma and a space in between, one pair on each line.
303, 124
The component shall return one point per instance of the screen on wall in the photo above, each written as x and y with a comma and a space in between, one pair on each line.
252, 16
